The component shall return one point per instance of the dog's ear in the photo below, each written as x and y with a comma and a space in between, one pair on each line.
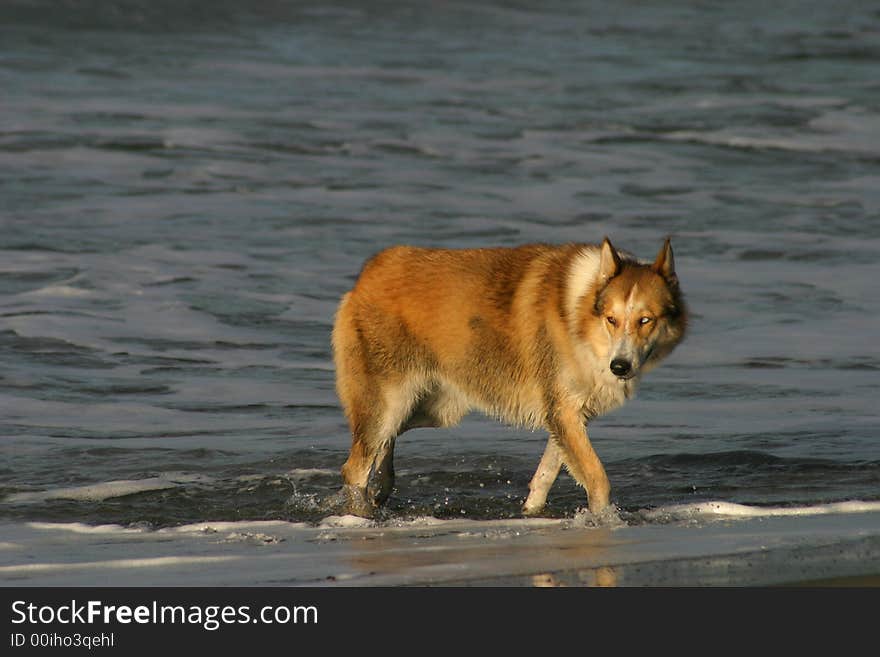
665, 262
609, 261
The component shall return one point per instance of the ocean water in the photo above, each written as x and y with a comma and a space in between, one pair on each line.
187, 188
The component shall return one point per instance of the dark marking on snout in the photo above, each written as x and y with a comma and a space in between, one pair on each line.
475, 322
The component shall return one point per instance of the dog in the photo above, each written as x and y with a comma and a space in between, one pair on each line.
538, 336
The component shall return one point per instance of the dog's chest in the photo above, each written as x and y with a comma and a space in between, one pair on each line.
607, 394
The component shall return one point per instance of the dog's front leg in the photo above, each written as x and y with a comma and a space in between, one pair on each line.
545, 475
567, 426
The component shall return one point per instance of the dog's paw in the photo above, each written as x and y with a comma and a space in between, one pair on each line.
349, 500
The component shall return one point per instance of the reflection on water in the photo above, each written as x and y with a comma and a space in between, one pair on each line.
592, 577
450, 554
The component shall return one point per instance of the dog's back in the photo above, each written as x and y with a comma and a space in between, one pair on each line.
469, 318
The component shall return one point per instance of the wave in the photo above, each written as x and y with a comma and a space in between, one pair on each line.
611, 519
720, 509
105, 490
851, 144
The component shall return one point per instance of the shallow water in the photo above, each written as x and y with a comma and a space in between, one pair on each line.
187, 188
688, 547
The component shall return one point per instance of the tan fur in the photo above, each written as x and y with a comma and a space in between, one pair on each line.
522, 334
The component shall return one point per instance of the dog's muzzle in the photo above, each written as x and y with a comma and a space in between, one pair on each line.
621, 368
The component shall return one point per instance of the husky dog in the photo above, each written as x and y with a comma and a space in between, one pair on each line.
537, 336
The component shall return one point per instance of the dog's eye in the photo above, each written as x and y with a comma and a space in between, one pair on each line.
644, 320
612, 321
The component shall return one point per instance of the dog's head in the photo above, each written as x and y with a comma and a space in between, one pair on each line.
638, 312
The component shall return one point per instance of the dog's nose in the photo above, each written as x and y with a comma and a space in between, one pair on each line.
620, 367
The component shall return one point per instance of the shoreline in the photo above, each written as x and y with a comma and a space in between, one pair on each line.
839, 549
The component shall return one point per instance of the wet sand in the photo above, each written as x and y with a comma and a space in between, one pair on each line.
836, 549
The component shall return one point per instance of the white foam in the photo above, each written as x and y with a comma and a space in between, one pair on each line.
428, 550
832, 132
94, 492
238, 527
114, 564
421, 521
82, 528
699, 510
347, 522
107, 489
61, 291
241, 526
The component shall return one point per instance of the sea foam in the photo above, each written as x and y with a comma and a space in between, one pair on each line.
106, 490
708, 510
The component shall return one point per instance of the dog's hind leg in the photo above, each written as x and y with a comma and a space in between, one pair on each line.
545, 475
380, 481
376, 418
407, 406
368, 473
376, 402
